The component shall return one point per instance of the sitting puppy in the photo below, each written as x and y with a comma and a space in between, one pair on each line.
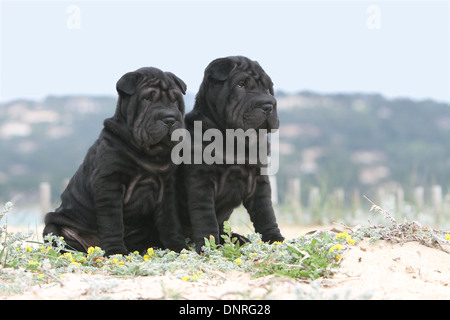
235, 93
122, 196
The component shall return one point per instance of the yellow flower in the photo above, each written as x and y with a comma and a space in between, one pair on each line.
194, 277
146, 257
335, 247
238, 261
342, 235
447, 236
118, 262
33, 263
345, 236
150, 251
44, 249
191, 278
68, 256
99, 260
94, 250
338, 256
184, 256
28, 249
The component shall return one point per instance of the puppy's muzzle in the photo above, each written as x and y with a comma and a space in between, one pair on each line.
265, 108
169, 118
169, 121
266, 104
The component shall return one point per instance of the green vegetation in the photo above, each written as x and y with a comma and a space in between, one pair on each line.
306, 257
25, 263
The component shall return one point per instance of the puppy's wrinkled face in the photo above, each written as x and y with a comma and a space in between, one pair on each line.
152, 105
241, 93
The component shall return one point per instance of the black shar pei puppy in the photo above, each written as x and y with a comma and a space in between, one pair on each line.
235, 93
122, 196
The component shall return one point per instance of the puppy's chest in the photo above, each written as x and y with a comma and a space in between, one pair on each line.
144, 187
235, 182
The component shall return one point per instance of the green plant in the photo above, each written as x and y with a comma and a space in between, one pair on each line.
9, 240
306, 257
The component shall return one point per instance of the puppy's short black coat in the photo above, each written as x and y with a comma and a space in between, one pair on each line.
235, 93
122, 196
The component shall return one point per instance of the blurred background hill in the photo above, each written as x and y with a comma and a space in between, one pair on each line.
364, 141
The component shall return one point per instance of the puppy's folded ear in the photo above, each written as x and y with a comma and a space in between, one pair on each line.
219, 69
127, 84
180, 83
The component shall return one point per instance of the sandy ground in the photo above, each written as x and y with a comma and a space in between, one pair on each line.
379, 270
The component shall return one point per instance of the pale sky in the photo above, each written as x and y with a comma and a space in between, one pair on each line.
396, 48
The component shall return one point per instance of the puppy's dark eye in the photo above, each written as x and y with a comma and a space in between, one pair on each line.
241, 84
150, 97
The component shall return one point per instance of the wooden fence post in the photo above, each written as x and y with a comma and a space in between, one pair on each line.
355, 201
294, 192
45, 197
419, 198
338, 202
274, 188
436, 198
400, 201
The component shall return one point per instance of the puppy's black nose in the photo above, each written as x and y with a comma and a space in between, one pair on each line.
169, 121
266, 108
